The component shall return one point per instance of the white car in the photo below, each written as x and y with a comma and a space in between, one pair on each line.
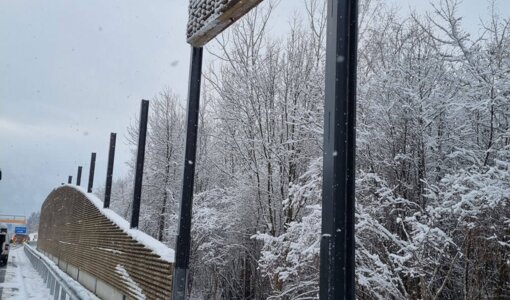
4, 242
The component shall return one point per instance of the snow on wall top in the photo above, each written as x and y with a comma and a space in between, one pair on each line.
167, 254
207, 18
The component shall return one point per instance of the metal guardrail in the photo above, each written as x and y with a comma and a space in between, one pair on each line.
59, 288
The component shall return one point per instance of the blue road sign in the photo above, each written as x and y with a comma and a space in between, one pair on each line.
20, 230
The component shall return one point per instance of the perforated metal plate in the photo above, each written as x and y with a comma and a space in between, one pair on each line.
207, 18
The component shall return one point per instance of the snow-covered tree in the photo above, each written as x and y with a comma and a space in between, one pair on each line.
433, 152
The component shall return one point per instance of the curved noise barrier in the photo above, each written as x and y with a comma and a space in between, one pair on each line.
83, 238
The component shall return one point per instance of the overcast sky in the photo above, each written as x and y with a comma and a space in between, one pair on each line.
71, 72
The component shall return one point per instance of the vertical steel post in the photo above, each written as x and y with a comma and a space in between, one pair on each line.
183, 243
140, 157
109, 171
91, 171
78, 176
69, 179
337, 262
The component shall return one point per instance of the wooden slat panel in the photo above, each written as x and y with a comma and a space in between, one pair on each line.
208, 18
74, 230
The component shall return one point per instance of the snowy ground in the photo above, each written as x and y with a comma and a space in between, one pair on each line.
19, 280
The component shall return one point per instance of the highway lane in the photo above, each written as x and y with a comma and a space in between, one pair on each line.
19, 280
8, 286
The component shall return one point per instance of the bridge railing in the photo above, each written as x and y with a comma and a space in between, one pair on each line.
59, 287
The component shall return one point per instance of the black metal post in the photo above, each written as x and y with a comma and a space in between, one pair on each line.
70, 179
140, 157
91, 172
109, 171
337, 262
78, 176
184, 236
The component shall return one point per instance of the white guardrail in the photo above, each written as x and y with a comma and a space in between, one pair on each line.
59, 288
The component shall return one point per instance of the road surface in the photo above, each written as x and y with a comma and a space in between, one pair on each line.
19, 280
